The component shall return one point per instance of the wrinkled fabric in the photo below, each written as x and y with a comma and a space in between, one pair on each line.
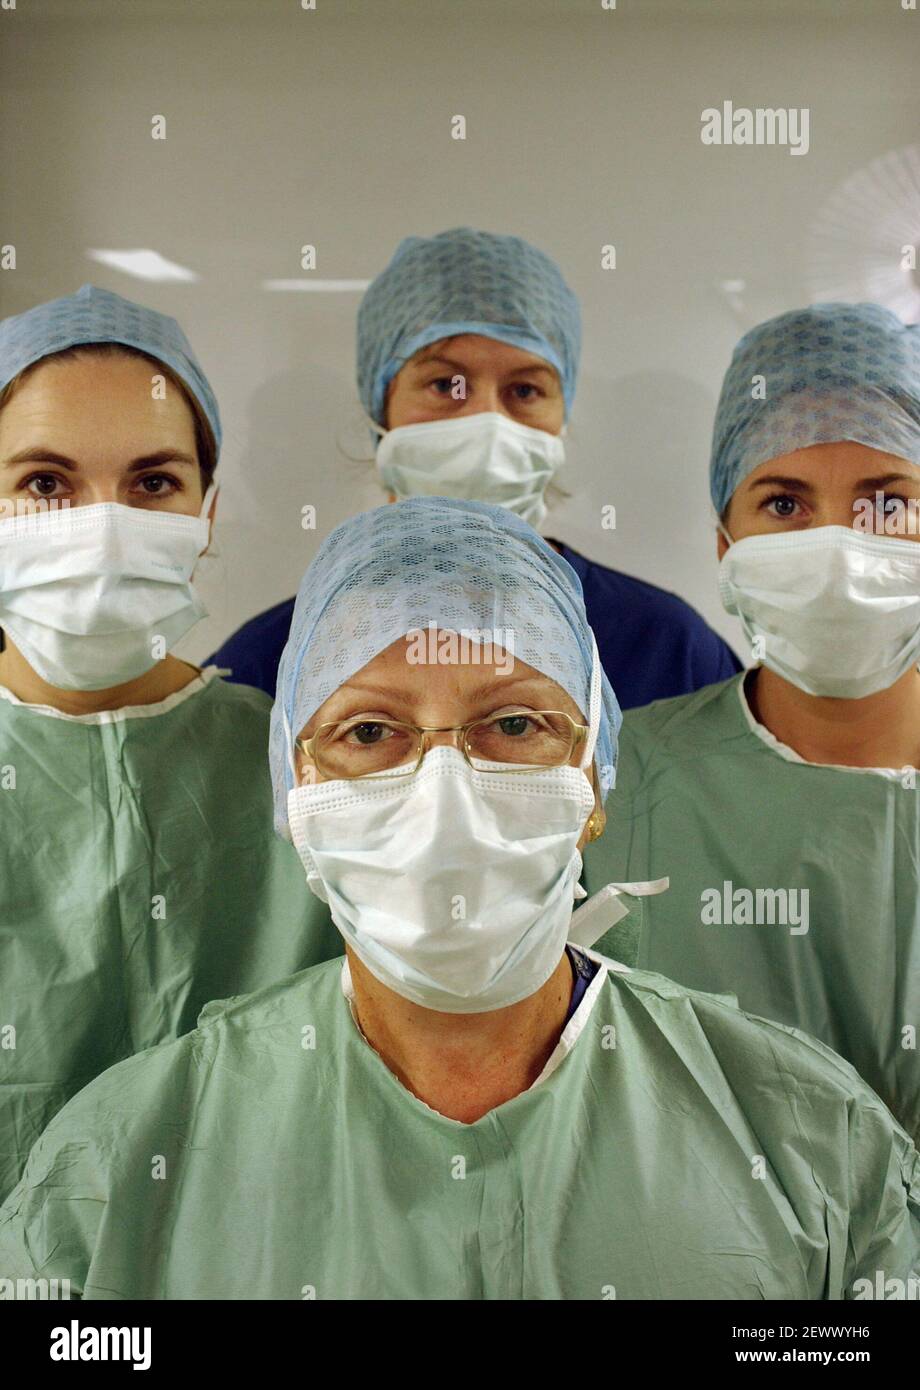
465, 566
395, 859
140, 879
99, 316
652, 644
487, 456
705, 799
465, 281
833, 611
89, 594
832, 372
272, 1155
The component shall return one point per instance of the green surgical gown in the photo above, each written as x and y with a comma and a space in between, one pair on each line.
712, 800
140, 877
672, 1148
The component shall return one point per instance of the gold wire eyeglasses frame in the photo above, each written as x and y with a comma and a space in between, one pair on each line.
577, 735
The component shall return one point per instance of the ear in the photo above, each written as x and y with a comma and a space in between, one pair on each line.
598, 815
721, 545
593, 829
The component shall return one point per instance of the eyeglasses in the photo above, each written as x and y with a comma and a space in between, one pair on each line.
364, 746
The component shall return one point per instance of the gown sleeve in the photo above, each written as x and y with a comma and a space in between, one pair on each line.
884, 1252
50, 1221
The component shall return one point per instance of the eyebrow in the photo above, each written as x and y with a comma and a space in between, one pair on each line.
864, 484
534, 369
38, 454
884, 479
486, 687
776, 480
436, 358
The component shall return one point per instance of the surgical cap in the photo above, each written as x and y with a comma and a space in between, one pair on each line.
832, 372
464, 281
99, 316
462, 565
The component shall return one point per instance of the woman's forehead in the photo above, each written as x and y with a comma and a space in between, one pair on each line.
75, 393
469, 660
449, 666
480, 347
844, 463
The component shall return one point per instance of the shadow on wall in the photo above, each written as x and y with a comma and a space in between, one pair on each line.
643, 447
287, 460
291, 457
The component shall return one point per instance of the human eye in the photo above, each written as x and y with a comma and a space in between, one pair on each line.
889, 501
442, 385
365, 733
43, 484
517, 725
158, 485
782, 505
531, 736
525, 391
364, 744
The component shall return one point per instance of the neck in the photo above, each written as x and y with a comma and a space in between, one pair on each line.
162, 680
881, 730
462, 1065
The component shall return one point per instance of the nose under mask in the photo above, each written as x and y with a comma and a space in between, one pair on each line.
95, 596
454, 886
833, 611
486, 457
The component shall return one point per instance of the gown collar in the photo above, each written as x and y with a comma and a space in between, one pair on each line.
567, 1039
118, 716
782, 750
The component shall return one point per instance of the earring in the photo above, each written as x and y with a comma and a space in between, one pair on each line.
594, 827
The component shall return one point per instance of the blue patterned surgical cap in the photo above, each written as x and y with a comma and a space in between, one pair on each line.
99, 316
464, 281
833, 372
462, 565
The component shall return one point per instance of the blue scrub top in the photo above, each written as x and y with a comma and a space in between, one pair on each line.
652, 644
583, 972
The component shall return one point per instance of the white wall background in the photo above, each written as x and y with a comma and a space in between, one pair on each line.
332, 127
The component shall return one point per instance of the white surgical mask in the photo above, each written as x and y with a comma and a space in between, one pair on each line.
838, 611
485, 458
453, 885
93, 596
